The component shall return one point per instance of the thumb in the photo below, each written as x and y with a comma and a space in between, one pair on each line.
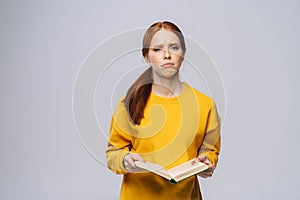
137, 157
204, 159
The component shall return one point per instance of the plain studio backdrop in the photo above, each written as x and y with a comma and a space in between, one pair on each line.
254, 45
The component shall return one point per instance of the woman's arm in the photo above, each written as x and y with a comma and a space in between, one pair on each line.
119, 158
119, 144
210, 148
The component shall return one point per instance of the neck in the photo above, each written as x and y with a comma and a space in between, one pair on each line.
167, 87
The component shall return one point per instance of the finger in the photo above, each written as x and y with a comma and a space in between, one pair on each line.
205, 174
130, 168
137, 157
208, 170
202, 175
196, 160
129, 160
204, 159
211, 166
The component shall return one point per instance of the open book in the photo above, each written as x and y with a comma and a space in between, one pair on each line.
175, 174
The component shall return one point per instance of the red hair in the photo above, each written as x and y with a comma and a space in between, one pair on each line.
138, 94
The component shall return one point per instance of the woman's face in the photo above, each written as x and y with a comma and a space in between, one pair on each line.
165, 54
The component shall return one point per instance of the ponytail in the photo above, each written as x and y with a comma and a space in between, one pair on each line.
137, 96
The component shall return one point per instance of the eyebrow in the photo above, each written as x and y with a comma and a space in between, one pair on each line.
170, 44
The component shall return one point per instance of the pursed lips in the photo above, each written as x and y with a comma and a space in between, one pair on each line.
169, 64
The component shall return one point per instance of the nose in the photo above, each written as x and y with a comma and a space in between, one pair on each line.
167, 54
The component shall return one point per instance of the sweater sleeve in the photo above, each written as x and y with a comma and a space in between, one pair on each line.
211, 143
119, 144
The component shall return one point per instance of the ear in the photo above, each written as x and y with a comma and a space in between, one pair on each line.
146, 59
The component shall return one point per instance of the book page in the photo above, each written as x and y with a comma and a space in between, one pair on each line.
154, 168
187, 169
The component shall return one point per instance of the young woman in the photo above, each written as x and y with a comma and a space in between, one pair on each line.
164, 121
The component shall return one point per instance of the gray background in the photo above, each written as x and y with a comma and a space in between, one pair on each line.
255, 45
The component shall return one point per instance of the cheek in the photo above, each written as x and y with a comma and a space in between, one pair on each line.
153, 58
179, 56
179, 59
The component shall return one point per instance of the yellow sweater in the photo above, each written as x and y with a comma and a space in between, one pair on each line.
173, 131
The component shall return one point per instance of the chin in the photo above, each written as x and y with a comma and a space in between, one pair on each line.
170, 74
166, 72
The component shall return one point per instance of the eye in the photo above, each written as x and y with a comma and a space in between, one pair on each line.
156, 49
174, 48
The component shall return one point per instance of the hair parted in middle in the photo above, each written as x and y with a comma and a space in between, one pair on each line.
138, 94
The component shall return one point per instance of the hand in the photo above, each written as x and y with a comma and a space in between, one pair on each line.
208, 172
129, 160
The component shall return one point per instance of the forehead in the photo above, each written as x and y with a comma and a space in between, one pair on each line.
163, 37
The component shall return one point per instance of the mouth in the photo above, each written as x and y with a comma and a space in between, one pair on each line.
169, 64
